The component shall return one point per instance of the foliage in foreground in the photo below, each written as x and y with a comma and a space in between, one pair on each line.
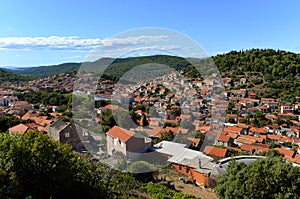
269, 177
34, 166
160, 191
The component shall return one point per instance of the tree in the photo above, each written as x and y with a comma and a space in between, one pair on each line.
270, 177
34, 166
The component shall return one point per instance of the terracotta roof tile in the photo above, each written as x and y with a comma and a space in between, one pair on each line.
19, 129
118, 132
215, 151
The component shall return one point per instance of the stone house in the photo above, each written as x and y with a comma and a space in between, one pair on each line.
65, 133
126, 142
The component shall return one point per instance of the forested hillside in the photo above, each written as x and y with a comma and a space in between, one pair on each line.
272, 64
273, 73
270, 73
7, 76
116, 67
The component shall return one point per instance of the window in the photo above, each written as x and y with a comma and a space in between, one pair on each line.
187, 170
67, 134
180, 167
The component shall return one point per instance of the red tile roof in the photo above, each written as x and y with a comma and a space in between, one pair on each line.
249, 147
223, 138
286, 152
215, 151
19, 129
118, 132
232, 129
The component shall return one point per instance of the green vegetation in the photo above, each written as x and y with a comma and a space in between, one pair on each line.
270, 177
277, 70
46, 97
8, 121
161, 191
34, 166
44, 71
8, 76
116, 67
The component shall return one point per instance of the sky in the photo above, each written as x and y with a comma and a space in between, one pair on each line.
37, 33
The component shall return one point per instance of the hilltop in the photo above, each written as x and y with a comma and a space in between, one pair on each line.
270, 73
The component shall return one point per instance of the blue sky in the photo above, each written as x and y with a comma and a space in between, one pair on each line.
34, 33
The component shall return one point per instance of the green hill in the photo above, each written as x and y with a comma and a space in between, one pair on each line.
44, 71
8, 76
116, 67
272, 73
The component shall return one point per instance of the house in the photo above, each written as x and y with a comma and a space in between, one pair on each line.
216, 152
247, 139
258, 131
286, 152
224, 140
18, 129
253, 149
21, 104
267, 100
233, 129
252, 95
243, 80
286, 109
129, 143
193, 164
5, 100
55, 108
227, 81
65, 133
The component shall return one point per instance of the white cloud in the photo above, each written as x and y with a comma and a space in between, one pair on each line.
50, 43
74, 43
133, 40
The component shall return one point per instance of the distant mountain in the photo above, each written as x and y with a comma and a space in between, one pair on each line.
115, 67
11, 67
44, 71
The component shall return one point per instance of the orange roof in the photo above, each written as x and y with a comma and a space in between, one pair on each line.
227, 79
232, 134
247, 139
232, 129
20, 129
274, 137
296, 159
223, 138
285, 152
203, 128
249, 147
19, 103
118, 132
215, 151
258, 130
